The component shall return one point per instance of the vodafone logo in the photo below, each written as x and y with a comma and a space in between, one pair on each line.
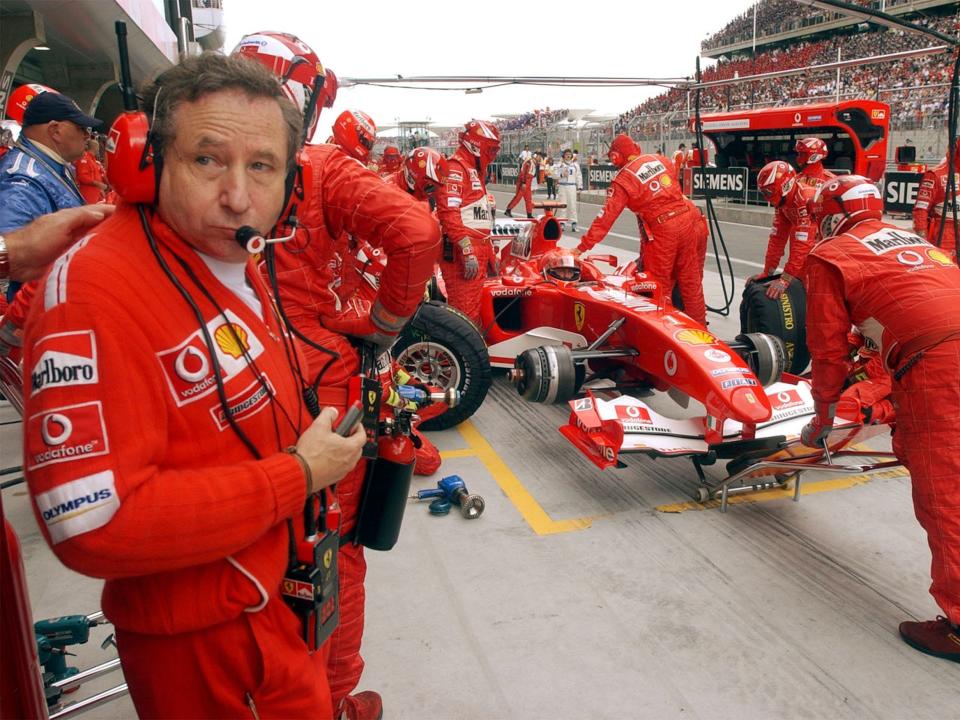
55, 428
632, 412
670, 363
909, 257
65, 434
783, 397
188, 366
191, 357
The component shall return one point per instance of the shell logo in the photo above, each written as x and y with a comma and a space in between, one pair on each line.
231, 338
666, 181
939, 257
691, 336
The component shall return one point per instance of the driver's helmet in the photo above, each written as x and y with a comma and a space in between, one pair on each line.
561, 265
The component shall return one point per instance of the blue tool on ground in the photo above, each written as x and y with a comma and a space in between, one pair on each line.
450, 491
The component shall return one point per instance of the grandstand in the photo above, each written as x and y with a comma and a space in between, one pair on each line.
792, 35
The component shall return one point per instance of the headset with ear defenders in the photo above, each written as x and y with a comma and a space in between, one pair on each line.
133, 168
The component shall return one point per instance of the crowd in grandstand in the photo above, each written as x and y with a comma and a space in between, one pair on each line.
778, 16
925, 78
533, 119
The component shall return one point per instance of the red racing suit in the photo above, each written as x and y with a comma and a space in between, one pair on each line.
933, 209
524, 186
466, 219
902, 294
344, 198
814, 175
137, 477
791, 221
88, 171
677, 249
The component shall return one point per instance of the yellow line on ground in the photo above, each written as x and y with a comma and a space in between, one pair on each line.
458, 453
806, 488
536, 517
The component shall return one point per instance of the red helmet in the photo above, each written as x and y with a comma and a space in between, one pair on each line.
355, 133
810, 150
21, 97
844, 201
775, 181
330, 85
560, 264
424, 170
622, 149
292, 61
391, 159
482, 140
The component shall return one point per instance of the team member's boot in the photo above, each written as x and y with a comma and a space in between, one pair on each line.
939, 637
365, 705
508, 213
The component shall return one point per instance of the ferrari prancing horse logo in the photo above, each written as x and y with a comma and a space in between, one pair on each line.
579, 314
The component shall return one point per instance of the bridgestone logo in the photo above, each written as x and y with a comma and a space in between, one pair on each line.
51, 374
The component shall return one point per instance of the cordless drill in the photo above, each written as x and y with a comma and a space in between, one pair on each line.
451, 490
53, 636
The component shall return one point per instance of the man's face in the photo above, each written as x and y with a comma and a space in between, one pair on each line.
224, 169
69, 138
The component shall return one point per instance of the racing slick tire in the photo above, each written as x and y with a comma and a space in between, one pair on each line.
786, 318
765, 354
441, 347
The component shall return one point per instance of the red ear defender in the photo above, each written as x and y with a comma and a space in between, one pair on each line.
130, 166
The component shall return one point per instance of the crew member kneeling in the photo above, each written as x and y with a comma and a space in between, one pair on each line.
161, 399
902, 294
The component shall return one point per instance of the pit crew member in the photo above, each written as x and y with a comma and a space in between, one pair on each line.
933, 209
528, 171
467, 250
340, 197
390, 161
154, 441
811, 152
675, 254
791, 221
901, 293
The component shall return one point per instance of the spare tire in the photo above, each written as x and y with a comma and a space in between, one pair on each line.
785, 317
441, 347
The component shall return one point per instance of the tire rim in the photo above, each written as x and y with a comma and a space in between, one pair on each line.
432, 364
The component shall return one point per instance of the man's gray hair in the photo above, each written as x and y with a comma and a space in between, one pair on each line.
201, 75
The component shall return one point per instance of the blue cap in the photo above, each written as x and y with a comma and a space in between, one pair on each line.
50, 106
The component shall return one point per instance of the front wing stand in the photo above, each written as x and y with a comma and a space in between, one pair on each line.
822, 460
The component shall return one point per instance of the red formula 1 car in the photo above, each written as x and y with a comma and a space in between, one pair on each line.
606, 343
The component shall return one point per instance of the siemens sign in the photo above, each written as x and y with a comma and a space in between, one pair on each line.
730, 182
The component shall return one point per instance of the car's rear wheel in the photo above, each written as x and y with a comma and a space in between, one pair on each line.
441, 347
